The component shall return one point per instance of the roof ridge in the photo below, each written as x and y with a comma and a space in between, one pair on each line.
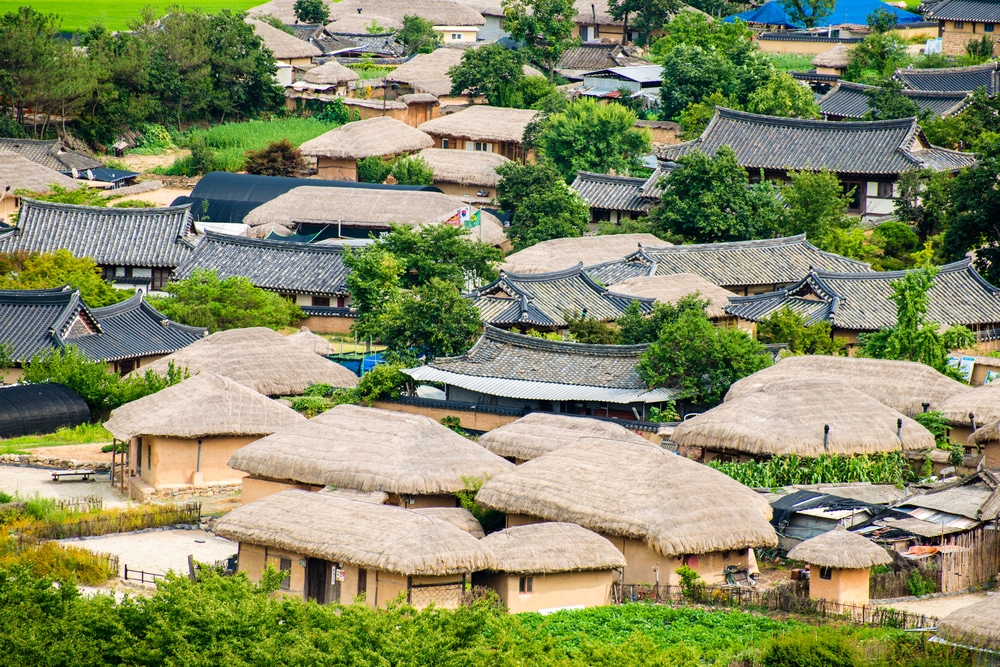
617, 178
104, 209
522, 340
984, 67
731, 114
542, 277
751, 243
230, 239
953, 267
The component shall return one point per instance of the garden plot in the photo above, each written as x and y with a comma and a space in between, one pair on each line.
159, 551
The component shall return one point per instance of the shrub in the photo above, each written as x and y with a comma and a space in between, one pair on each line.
133, 203
278, 158
203, 158
373, 170
805, 649
311, 11
321, 389
691, 583
412, 171
920, 585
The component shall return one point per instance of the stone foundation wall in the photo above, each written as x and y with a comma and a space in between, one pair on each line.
48, 462
142, 491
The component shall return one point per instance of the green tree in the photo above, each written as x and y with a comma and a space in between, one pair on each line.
709, 199
881, 20
808, 13
783, 96
876, 58
542, 205
817, 205
373, 169
787, 326
440, 251
205, 300
58, 269
898, 242
701, 360
279, 158
914, 337
635, 328
696, 117
374, 282
588, 136
648, 16
887, 102
311, 11
979, 50
430, 320
412, 170
418, 35
545, 27
586, 329
691, 73
975, 199
490, 71
923, 201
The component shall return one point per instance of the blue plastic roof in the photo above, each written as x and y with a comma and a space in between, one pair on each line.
846, 11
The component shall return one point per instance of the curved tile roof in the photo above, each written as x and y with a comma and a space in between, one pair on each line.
848, 100
615, 193
952, 78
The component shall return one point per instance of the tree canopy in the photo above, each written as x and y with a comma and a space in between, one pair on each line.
975, 199
542, 205
38, 271
808, 13
311, 11
648, 16
544, 27
817, 206
279, 158
418, 35
492, 71
787, 326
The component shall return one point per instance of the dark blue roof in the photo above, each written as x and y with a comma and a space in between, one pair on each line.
27, 409
846, 11
104, 175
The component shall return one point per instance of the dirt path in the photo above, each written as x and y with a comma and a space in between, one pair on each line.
90, 453
143, 163
937, 607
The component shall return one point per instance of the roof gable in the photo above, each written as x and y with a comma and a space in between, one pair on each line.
35, 320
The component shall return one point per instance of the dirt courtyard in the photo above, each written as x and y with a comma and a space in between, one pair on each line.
27, 482
159, 551
937, 607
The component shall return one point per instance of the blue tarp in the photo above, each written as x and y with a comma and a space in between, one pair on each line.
846, 11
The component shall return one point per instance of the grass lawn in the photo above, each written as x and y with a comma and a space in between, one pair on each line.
115, 15
791, 61
80, 435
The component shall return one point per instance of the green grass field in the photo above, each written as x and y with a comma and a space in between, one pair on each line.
114, 15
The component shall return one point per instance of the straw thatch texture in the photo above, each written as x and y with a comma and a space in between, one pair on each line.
838, 57
374, 497
20, 173
281, 44
788, 417
559, 254
988, 433
375, 537
361, 207
672, 288
203, 406
673, 504
357, 24
976, 625
481, 123
459, 517
258, 358
438, 12
425, 67
982, 402
840, 548
331, 73
370, 450
540, 433
309, 341
477, 168
902, 385
552, 547
382, 135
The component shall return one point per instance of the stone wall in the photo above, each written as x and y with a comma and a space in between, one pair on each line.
49, 462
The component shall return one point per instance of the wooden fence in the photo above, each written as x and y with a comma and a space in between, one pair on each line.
976, 562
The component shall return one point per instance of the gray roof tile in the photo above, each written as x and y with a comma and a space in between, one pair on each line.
51, 154
981, 11
848, 100
613, 193
953, 78
133, 328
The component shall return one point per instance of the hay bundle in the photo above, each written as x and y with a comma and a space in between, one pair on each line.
551, 547
540, 433
206, 405
977, 625
336, 529
379, 136
902, 385
806, 417
258, 358
840, 548
559, 254
671, 503
370, 450
672, 288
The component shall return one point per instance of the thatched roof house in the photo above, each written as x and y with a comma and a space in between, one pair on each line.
438, 12
366, 138
20, 173
330, 73
842, 549
428, 72
560, 254
977, 406
371, 450
461, 172
902, 385
286, 48
310, 341
358, 24
551, 547
481, 124
672, 288
539, 433
658, 507
803, 416
201, 406
459, 517
260, 359
836, 58
365, 211
977, 625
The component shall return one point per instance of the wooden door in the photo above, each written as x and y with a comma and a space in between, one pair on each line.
317, 580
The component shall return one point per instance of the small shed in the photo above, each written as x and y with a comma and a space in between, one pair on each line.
539, 433
333, 550
672, 288
29, 409
330, 77
833, 61
545, 567
840, 565
337, 152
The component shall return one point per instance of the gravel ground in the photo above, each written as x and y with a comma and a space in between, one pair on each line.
158, 551
938, 607
28, 482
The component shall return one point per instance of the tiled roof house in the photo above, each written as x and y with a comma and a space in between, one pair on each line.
612, 198
953, 78
964, 21
848, 101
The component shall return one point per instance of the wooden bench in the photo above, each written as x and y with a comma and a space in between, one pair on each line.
84, 473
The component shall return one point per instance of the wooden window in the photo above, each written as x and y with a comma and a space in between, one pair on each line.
444, 143
959, 25
987, 27
456, 36
524, 584
826, 573
853, 189
885, 190
160, 278
285, 565
362, 581
321, 301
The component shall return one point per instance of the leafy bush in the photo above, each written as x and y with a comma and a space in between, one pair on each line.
111, 447
279, 158
412, 170
336, 113
490, 520
890, 468
311, 11
804, 649
321, 389
919, 585
310, 406
691, 583
133, 203
373, 170
153, 139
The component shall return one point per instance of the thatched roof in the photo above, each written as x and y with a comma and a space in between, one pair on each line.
375, 537
540, 433
842, 549
988, 433
330, 73
382, 135
427, 72
976, 625
364, 207
20, 173
374, 497
789, 417
838, 57
618, 488
551, 547
357, 24
672, 288
310, 341
370, 450
481, 123
281, 44
902, 385
438, 12
258, 358
559, 254
477, 168
457, 516
206, 405
982, 402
